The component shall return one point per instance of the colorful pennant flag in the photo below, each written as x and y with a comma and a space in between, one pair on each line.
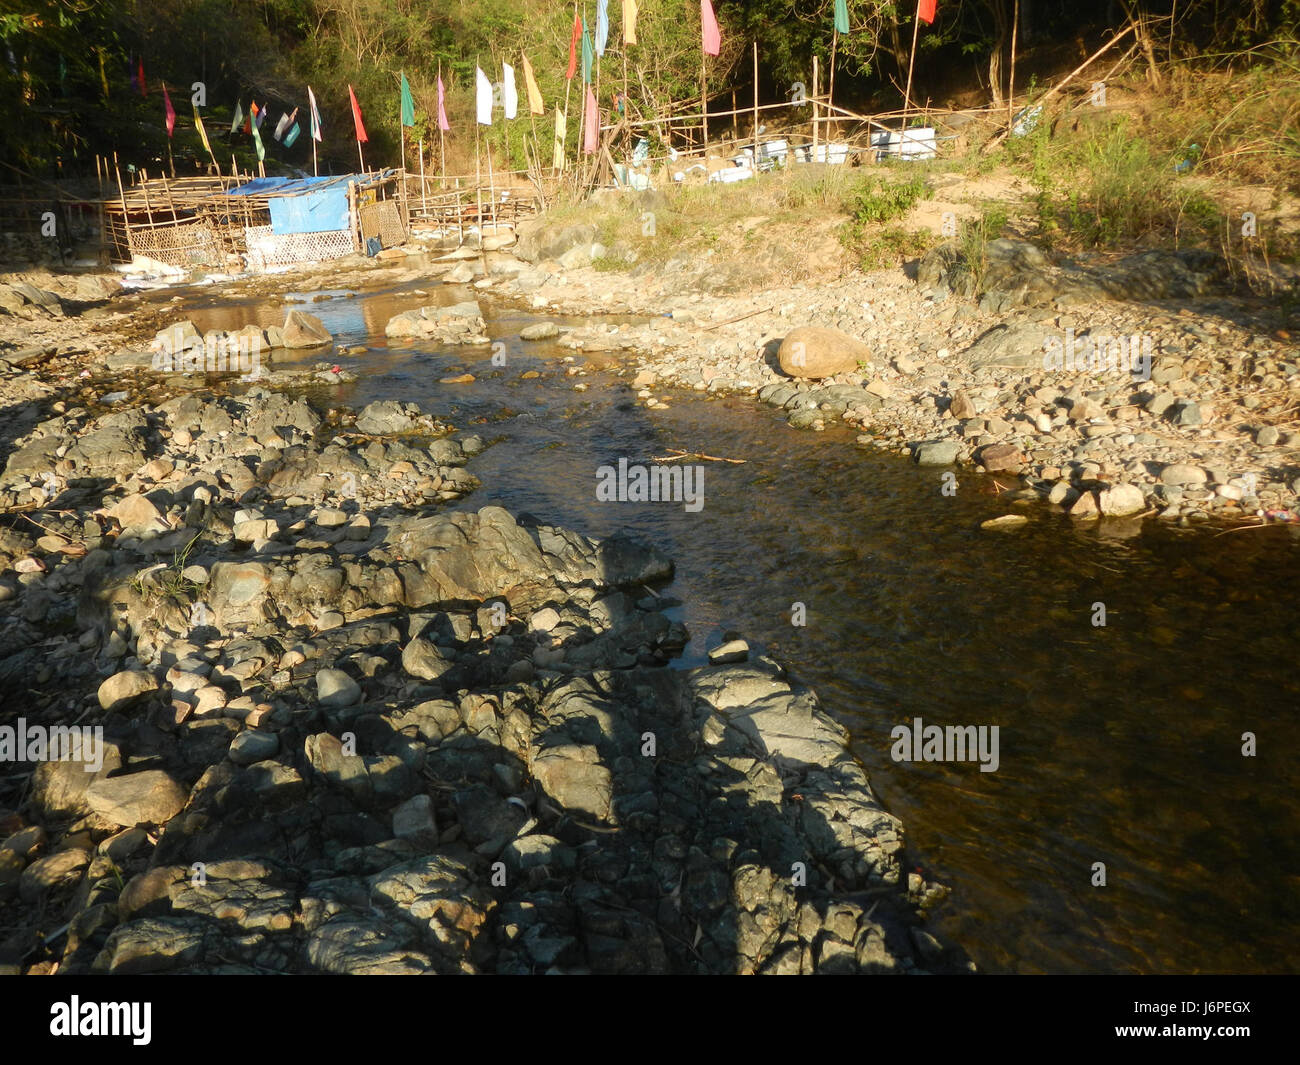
535, 104
315, 115
591, 138
587, 57
629, 21
292, 135
483, 97
443, 124
356, 117
408, 104
602, 26
203, 133
168, 110
237, 119
509, 94
925, 11
144, 85
135, 81
573, 47
709, 28
255, 123
283, 125
561, 132
841, 16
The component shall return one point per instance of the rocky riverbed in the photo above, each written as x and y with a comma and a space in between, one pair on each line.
1192, 418
346, 731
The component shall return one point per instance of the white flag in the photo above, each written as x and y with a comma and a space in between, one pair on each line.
509, 94
484, 95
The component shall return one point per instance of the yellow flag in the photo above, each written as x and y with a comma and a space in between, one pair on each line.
535, 104
561, 131
203, 133
629, 21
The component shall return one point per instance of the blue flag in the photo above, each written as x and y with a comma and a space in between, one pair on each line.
602, 26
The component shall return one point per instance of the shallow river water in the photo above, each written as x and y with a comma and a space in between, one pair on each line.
1119, 744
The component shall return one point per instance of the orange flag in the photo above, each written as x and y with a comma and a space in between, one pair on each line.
535, 104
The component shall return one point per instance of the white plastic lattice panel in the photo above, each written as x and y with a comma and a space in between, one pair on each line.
266, 249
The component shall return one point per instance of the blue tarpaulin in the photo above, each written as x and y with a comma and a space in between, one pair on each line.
308, 204
303, 205
310, 212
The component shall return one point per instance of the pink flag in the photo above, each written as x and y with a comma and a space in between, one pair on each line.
712, 36
591, 133
443, 124
170, 111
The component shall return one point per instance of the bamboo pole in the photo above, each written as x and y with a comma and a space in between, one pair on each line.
442, 143
424, 198
1011, 84
911, 61
830, 90
756, 108
704, 101
126, 217
568, 85
815, 111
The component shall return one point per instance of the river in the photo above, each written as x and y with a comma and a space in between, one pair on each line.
1119, 743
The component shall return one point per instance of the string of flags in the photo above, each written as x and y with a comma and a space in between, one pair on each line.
584, 47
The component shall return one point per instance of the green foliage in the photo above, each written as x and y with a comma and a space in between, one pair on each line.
871, 205
973, 239
880, 249
878, 200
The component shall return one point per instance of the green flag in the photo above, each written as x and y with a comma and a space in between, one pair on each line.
841, 16
586, 54
408, 105
238, 120
257, 142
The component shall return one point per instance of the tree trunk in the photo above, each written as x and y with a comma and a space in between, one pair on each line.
1001, 25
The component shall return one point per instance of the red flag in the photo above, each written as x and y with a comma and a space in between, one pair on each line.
168, 110
925, 11
709, 24
356, 117
144, 89
591, 120
573, 46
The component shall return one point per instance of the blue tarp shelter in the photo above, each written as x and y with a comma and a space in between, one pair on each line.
303, 205
307, 205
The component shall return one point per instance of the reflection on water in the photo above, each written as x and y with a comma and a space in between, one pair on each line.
1119, 744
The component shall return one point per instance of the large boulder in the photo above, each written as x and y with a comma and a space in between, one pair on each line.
543, 241
814, 351
150, 797
303, 330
